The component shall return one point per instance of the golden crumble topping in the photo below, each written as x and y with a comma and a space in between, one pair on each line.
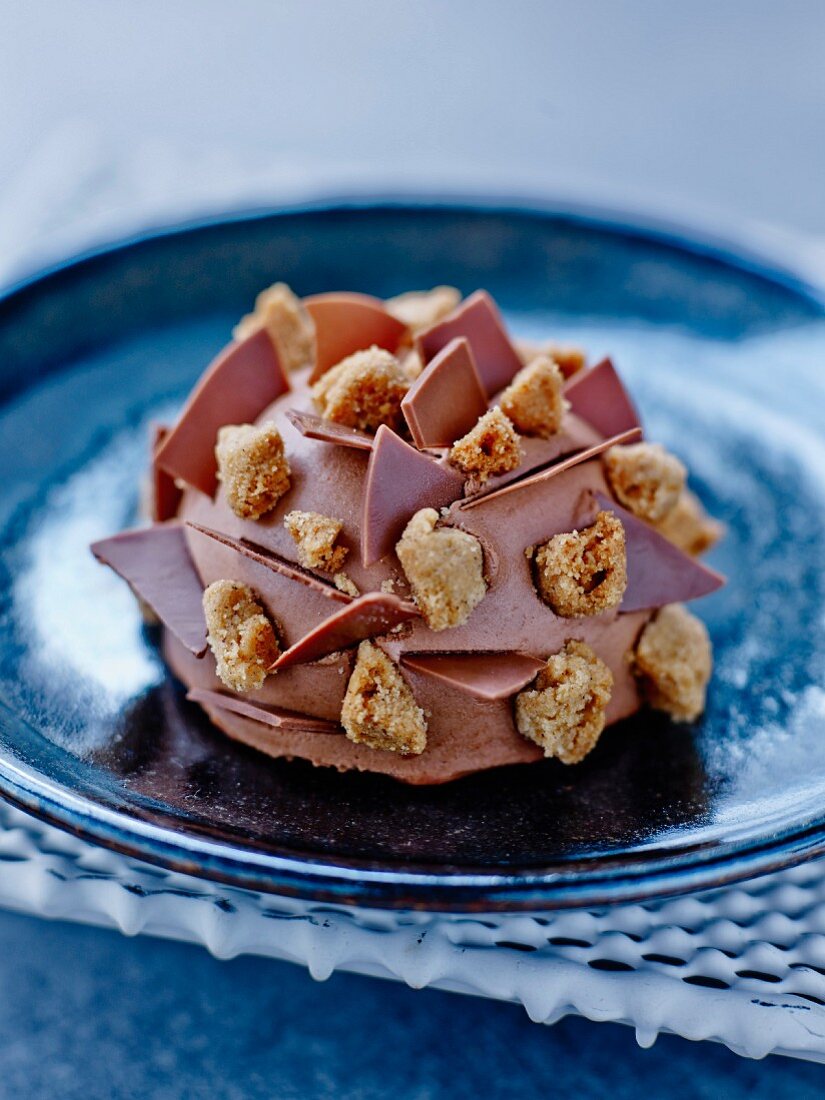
363, 391
646, 479
379, 707
445, 568
490, 448
584, 572
148, 615
287, 322
315, 536
252, 467
412, 364
419, 309
569, 360
533, 401
673, 662
346, 584
564, 711
241, 637
689, 527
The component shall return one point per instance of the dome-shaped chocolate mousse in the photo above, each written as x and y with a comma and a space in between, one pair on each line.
386, 537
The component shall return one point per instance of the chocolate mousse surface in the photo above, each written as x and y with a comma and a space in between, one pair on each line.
414, 548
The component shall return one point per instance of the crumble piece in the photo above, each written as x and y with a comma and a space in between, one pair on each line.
331, 659
253, 468
388, 585
379, 707
315, 536
583, 572
148, 614
419, 309
412, 364
689, 527
569, 360
241, 637
673, 662
345, 584
363, 391
445, 568
491, 447
288, 323
564, 711
146, 498
533, 401
646, 479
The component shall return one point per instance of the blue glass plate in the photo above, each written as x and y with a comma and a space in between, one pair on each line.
726, 358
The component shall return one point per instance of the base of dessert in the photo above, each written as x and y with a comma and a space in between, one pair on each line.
465, 734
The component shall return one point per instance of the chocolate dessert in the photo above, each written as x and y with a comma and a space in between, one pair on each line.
387, 537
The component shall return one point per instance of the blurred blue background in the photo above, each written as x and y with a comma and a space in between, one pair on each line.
116, 115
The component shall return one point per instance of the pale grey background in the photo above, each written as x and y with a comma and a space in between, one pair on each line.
115, 113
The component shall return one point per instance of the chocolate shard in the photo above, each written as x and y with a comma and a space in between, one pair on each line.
478, 320
598, 396
558, 468
446, 399
346, 323
166, 495
262, 556
658, 573
244, 379
155, 563
369, 615
400, 480
294, 599
286, 720
488, 676
327, 431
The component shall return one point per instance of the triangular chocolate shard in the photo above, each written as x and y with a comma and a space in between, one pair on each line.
400, 480
286, 720
262, 556
558, 468
478, 320
488, 676
346, 323
369, 615
327, 431
155, 563
658, 573
244, 379
166, 495
598, 396
446, 399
